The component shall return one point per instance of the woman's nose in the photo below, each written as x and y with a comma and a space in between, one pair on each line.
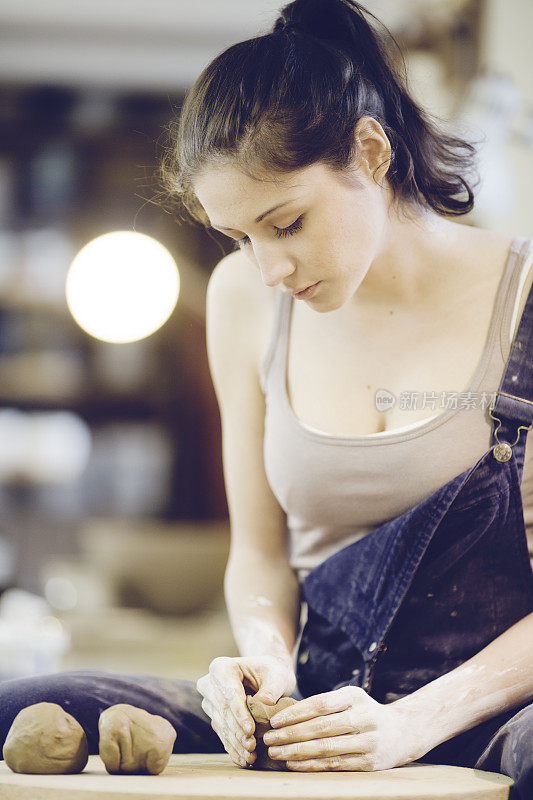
274, 266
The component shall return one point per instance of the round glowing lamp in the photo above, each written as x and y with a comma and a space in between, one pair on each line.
122, 286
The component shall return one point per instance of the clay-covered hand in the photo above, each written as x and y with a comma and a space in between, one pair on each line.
43, 739
223, 690
132, 741
345, 730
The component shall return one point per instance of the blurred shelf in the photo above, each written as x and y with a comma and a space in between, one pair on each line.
46, 375
17, 301
91, 409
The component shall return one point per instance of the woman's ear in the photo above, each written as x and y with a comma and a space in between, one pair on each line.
374, 150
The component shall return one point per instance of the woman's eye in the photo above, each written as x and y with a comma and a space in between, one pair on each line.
296, 226
280, 233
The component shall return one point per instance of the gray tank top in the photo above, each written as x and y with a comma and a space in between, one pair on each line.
336, 489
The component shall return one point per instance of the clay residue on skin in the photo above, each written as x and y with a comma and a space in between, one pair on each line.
259, 636
494, 680
495, 696
45, 740
133, 741
259, 600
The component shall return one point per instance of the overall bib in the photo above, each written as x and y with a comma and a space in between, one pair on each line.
432, 587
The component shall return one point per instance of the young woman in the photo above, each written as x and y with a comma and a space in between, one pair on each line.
356, 338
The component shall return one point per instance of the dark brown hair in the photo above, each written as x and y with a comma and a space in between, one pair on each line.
292, 97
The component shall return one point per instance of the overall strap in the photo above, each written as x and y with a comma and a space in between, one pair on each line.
512, 407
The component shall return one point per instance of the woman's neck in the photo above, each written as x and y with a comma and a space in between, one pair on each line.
414, 263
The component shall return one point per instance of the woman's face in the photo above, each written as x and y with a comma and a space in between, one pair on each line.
310, 226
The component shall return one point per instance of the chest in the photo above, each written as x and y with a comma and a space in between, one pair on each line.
333, 373
332, 384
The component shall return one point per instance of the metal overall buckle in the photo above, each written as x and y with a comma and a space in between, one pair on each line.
503, 450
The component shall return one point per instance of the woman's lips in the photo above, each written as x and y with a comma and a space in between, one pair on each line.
307, 293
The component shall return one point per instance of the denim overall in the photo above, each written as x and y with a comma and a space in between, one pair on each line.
430, 588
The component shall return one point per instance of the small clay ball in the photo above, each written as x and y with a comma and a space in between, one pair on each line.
133, 741
44, 739
262, 714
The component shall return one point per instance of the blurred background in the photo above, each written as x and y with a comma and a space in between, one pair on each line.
113, 519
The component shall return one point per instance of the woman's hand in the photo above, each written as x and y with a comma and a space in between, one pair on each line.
342, 730
271, 677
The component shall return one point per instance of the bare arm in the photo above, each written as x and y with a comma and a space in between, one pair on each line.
262, 592
262, 598
496, 679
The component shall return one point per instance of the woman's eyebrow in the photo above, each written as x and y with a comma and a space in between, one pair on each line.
260, 218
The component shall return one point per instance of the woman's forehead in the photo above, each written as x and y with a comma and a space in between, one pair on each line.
216, 176
228, 194
226, 189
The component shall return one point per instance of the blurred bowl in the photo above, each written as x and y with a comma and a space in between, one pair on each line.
172, 568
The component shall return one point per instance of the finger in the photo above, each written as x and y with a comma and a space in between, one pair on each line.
323, 748
242, 716
237, 759
235, 756
343, 763
203, 684
208, 707
206, 689
315, 706
229, 737
316, 728
220, 725
233, 696
217, 694
250, 743
226, 677
221, 733
273, 689
240, 739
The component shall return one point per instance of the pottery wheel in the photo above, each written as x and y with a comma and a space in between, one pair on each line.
199, 776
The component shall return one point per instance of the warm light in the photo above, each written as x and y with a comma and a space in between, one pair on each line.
122, 286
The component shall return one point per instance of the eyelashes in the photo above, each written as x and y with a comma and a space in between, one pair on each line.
296, 226
280, 233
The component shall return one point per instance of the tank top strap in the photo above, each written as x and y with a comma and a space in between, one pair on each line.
278, 335
510, 290
514, 398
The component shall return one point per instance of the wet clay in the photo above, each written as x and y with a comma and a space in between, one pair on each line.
44, 739
132, 741
262, 714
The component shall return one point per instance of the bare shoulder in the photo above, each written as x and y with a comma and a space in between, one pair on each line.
239, 276
235, 288
487, 252
498, 242
525, 290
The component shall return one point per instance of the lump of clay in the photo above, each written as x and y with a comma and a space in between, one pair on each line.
262, 714
132, 741
44, 739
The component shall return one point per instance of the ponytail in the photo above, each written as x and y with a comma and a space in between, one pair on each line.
292, 97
